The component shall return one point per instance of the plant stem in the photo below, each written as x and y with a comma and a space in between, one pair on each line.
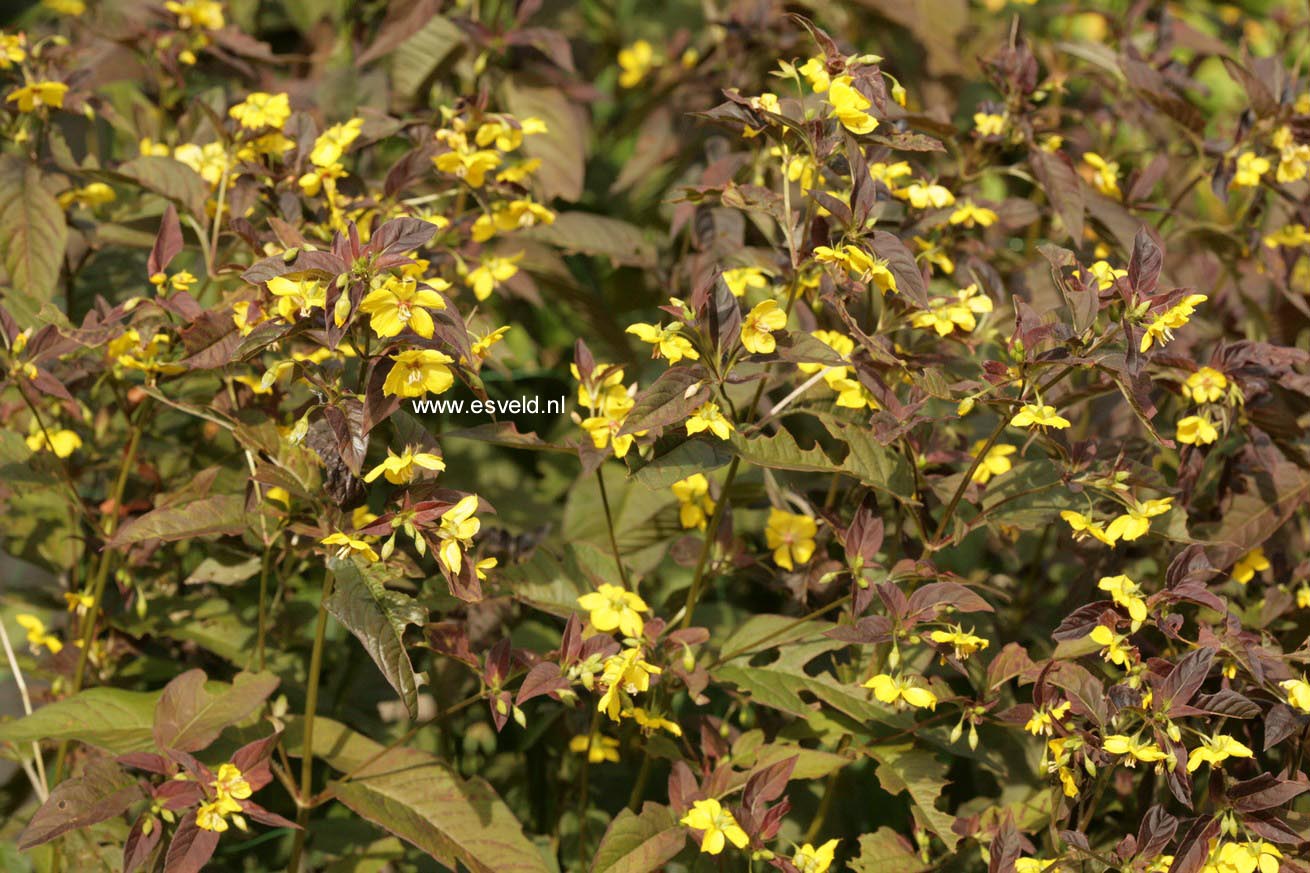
609, 523
102, 575
711, 531
311, 704
263, 609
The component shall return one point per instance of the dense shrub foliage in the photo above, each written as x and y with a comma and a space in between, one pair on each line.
525, 437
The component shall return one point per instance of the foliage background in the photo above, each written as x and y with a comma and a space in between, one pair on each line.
655, 192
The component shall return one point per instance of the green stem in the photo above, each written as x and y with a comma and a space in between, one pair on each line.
311, 704
263, 609
609, 523
711, 531
92, 616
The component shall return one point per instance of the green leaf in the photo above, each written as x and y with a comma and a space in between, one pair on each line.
103, 791
112, 719
378, 618
33, 233
219, 514
192, 711
417, 57
171, 179
673, 396
923, 776
868, 461
419, 799
684, 459
562, 149
639, 842
885, 851
585, 233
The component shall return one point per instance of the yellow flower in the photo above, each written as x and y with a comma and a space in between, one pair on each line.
1298, 693
209, 816
811, 860
134, 353
211, 160
1126, 593
297, 295
260, 109
989, 123
609, 393
1215, 750
1105, 174
623, 676
482, 344
400, 469
1162, 326
332, 143
1250, 167
322, 179
1105, 274
1034, 865
1038, 415
849, 105
965, 643
458, 526
1206, 385
899, 691
231, 783
739, 279
418, 372
815, 71
758, 326
708, 417
202, 14
1136, 523
1116, 652
968, 214
889, 173
923, 196
791, 537
470, 165
89, 196
490, 273
635, 62
649, 722
37, 636
717, 826
1249, 564
668, 341
1196, 430
612, 608
1044, 719
1303, 596
1083, 527
1244, 858
598, 748
399, 303
61, 442
349, 545
34, 95
78, 602
947, 314
1135, 750
1290, 235
13, 49
506, 217
694, 502
996, 462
